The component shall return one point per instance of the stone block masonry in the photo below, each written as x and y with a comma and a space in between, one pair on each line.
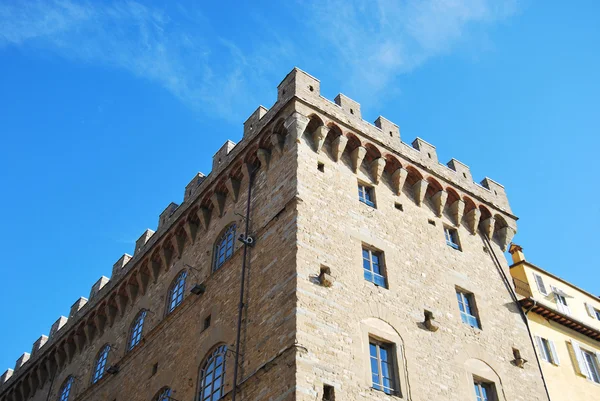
302, 339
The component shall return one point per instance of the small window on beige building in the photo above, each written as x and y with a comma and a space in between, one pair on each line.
547, 350
484, 391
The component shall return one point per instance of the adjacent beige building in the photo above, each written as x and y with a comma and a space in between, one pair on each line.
371, 271
565, 323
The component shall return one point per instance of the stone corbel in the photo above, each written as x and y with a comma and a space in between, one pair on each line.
33, 382
99, 321
204, 215
319, 137
41, 375
487, 226
358, 155
295, 126
457, 209
132, 291
277, 143
110, 314
338, 145
218, 201
191, 230
377, 167
505, 235
398, 179
142, 283
473, 217
264, 156
68, 350
233, 186
439, 201
178, 242
420, 189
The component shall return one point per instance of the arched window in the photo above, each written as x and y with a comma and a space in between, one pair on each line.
164, 394
212, 376
136, 330
176, 292
65, 390
224, 247
100, 364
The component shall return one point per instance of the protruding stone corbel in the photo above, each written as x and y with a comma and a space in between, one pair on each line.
358, 155
142, 279
178, 242
398, 179
420, 189
191, 229
233, 186
204, 215
99, 321
505, 236
132, 291
473, 217
457, 209
166, 256
264, 156
439, 201
42, 375
487, 226
218, 201
295, 126
111, 314
338, 145
277, 142
377, 167
319, 137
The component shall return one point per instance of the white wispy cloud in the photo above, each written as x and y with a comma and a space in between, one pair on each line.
367, 42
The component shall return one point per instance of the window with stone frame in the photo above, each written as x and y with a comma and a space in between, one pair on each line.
373, 266
100, 364
137, 328
224, 247
366, 194
384, 374
468, 311
484, 391
212, 376
452, 237
176, 292
65, 389
164, 394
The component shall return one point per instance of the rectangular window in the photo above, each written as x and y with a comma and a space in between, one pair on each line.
383, 370
547, 350
451, 237
539, 281
591, 363
466, 304
373, 267
483, 391
561, 303
365, 195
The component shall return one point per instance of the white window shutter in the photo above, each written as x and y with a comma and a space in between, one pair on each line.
580, 361
555, 359
540, 348
539, 281
590, 310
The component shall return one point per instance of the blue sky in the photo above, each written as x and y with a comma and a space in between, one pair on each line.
108, 109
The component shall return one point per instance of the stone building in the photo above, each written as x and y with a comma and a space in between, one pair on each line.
565, 323
368, 275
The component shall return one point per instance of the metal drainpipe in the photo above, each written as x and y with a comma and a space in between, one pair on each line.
243, 280
496, 261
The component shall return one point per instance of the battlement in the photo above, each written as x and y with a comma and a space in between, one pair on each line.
300, 113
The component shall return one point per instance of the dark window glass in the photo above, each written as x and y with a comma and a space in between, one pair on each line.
212, 376
483, 391
224, 247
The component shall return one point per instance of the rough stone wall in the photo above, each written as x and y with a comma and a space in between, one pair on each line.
177, 342
334, 323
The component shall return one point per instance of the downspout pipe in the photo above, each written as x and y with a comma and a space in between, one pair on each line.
513, 295
242, 282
